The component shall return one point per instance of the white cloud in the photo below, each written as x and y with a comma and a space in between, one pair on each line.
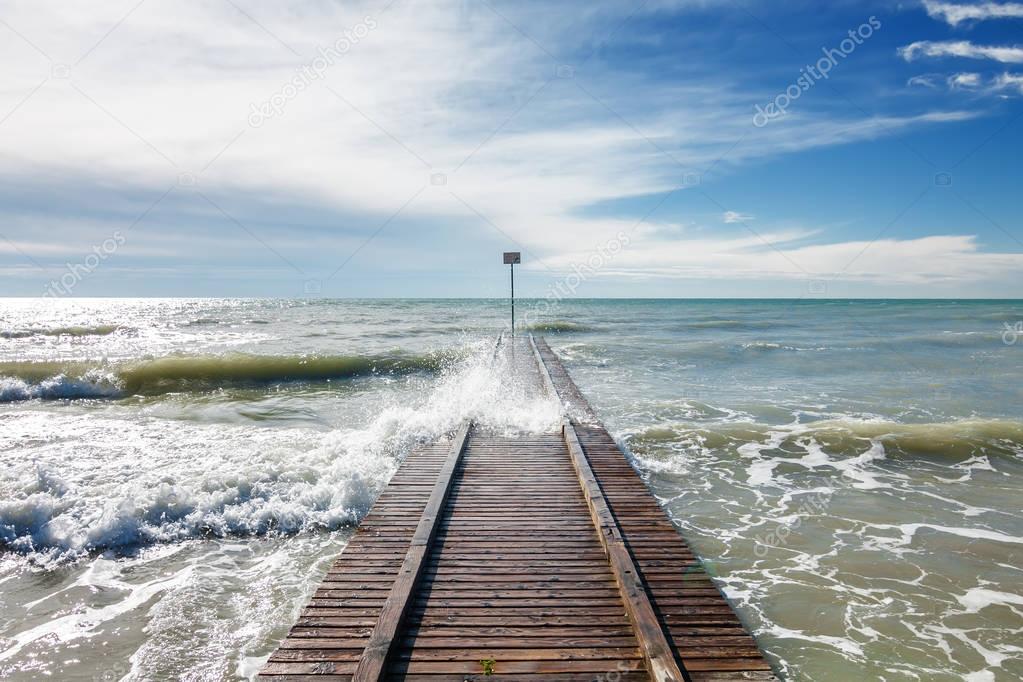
961, 48
443, 81
731, 217
971, 81
927, 260
435, 87
964, 81
956, 13
927, 81
1009, 81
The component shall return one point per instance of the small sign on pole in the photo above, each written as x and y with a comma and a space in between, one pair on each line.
512, 258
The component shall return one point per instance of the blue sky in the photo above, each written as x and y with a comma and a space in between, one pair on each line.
236, 147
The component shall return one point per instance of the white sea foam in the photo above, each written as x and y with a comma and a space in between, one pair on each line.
980, 598
92, 384
83, 623
145, 480
909, 531
845, 509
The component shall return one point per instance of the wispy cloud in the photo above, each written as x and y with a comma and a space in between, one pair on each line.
961, 48
956, 13
731, 217
433, 88
1009, 81
964, 81
450, 96
926, 81
972, 81
922, 261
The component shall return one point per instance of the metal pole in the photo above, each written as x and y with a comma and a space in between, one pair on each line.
511, 258
513, 297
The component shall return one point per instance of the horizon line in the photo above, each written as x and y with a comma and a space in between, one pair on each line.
517, 298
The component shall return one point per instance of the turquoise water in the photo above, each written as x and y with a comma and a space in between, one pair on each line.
177, 474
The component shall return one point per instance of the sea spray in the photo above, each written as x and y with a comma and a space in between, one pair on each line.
134, 482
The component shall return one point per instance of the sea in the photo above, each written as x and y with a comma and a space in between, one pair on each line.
176, 475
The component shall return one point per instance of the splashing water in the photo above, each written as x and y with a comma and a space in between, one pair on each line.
125, 487
208, 511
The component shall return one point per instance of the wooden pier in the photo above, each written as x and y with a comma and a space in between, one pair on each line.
540, 558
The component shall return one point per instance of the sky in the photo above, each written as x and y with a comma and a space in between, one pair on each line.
659, 148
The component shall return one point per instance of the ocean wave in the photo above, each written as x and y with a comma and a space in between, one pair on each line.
57, 381
93, 383
742, 352
723, 350
557, 327
714, 324
955, 441
53, 519
766, 346
136, 482
991, 338
1006, 316
94, 330
735, 324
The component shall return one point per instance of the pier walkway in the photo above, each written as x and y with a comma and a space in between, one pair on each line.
533, 558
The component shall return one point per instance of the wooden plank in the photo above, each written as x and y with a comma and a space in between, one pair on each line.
657, 652
656, 649
374, 657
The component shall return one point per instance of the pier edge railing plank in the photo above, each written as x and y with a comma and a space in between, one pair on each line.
373, 661
700, 662
657, 652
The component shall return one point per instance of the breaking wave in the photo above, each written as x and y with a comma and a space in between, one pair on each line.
738, 325
95, 330
557, 327
949, 441
61, 381
139, 482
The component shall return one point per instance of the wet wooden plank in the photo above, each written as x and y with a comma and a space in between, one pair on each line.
373, 658
657, 652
